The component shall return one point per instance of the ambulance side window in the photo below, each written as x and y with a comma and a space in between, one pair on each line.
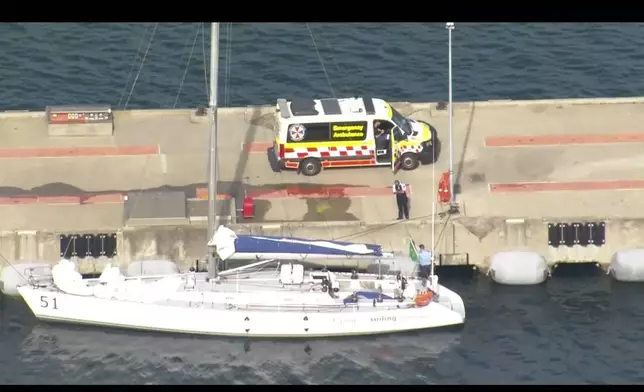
306, 133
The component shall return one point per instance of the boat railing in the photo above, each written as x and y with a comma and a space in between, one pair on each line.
146, 277
350, 307
38, 276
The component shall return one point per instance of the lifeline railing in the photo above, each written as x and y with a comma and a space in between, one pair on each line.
354, 307
38, 276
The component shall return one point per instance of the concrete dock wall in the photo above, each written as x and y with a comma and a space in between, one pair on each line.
473, 239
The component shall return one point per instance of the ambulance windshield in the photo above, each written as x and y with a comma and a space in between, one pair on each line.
402, 122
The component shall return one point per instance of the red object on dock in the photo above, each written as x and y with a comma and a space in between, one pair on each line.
247, 207
443, 188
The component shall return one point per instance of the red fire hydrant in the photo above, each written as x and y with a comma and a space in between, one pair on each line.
443, 188
248, 211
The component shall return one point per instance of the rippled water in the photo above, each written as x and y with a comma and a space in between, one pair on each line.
89, 63
572, 330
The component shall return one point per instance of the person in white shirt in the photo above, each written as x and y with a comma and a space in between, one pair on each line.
400, 190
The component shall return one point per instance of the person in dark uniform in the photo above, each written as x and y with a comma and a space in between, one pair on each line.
382, 137
400, 190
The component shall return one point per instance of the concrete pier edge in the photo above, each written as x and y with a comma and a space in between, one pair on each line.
414, 105
466, 234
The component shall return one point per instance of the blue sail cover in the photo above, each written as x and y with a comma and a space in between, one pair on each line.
291, 245
358, 295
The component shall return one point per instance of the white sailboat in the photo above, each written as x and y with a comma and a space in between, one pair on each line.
253, 300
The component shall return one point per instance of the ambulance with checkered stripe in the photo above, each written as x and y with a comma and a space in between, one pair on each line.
349, 132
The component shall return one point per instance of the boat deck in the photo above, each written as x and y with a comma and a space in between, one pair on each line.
198, 287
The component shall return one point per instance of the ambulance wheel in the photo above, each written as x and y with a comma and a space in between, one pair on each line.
310, 167
409, 161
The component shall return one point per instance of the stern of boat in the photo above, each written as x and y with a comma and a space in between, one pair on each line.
452, 300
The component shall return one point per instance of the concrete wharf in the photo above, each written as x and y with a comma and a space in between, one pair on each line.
520, 165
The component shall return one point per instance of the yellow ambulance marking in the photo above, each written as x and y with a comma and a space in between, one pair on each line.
390, 112
407, 143
427, 135
330, 144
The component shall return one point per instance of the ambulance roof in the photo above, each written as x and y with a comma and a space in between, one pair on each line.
340, 108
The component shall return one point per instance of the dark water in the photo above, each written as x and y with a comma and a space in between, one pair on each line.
572, 330
89, 63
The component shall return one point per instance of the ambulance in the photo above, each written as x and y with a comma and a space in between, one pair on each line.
348, 132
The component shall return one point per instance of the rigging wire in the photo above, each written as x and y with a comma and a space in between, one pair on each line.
145, 55
184, 54
136, 57
229, 47
434, 214
321, 205
434, 193
205, 63
317, 50
333, 57
185, 71
13, 267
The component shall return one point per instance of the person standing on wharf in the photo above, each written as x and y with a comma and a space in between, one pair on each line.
400, 190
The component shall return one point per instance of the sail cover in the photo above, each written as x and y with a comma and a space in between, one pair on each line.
231, 245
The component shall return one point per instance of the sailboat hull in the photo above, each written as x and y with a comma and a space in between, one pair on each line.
202, 318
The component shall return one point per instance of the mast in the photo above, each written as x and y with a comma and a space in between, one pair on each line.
452, 203
212, 153
431, 268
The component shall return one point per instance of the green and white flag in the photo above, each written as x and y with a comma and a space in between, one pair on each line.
413, 253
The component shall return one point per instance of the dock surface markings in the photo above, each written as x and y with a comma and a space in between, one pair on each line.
67, 200
312, 192
256, 147
64, 152
560, 140
555, 186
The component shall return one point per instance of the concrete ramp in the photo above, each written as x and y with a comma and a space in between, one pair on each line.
149, 208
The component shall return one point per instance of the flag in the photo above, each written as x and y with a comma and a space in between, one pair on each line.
413, 253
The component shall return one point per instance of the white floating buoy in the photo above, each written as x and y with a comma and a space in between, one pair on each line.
518, 268
628, 265
152, 267
12, 276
